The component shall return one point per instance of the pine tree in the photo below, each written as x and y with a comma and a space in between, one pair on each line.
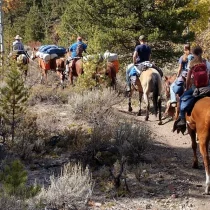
14, 178
119, 23
13, 98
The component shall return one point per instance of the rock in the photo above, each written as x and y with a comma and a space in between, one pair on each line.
98, 204
174, 196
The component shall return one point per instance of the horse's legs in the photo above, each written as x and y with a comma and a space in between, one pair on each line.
130, 109
203, 144
42, 75
177, 109
70, 77
160, 110
45, 76
140, 97
60, 76
146, 99
192, 134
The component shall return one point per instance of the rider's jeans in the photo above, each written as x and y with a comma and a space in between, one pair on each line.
182, 111
172, 94
128, 77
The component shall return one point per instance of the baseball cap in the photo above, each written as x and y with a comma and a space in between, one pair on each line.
142, 37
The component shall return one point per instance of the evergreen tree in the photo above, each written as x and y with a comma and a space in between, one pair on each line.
13, 98
14, 178
119, 23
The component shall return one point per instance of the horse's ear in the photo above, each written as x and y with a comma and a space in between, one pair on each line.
165, 78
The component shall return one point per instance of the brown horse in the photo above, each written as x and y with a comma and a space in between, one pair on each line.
150, 81
108, 70
170, 111
75, 69
56, 64
199, 122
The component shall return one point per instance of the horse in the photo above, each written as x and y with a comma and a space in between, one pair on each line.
75, 69
22, 63
108, 70
55, 64
198, 122
170, 111
149, 81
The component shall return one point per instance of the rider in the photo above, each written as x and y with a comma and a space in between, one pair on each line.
142, 53
182, 70
76, 50
18, 47
184, 59
187, 99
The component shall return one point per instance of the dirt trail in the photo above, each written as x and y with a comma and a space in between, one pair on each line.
174, 183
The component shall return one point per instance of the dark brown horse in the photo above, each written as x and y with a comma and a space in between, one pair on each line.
199, 122
56, 64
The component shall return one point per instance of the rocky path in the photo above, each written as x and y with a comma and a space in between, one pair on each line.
172, 183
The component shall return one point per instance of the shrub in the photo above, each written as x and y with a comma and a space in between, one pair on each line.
93, 105
49, 95
132, 140
14, 179
29, 137
11, 203
72, 188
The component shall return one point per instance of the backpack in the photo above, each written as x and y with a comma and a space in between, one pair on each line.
200, 75
79, 50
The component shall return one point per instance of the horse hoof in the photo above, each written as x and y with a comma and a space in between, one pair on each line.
160, 123
146, 118
195, 165
207, 191
139, 114
130, 109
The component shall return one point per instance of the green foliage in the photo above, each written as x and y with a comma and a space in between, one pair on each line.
93, 75
14, 179
13, 98
34, 20
109, 24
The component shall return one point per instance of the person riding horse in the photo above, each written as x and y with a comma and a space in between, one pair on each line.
18, 48
141, 61
199, 70
182, 70
76, 50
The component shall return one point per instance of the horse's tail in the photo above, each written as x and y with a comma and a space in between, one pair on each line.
155, 92
157, 88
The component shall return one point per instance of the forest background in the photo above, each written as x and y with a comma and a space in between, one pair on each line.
110, 24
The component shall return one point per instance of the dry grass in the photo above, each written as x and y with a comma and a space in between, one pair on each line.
11, 203
71, 189
49, 95
92, 105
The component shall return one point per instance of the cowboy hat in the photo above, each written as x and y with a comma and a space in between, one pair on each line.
18, 37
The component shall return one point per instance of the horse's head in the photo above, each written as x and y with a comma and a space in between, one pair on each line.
168, 80
34, 53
